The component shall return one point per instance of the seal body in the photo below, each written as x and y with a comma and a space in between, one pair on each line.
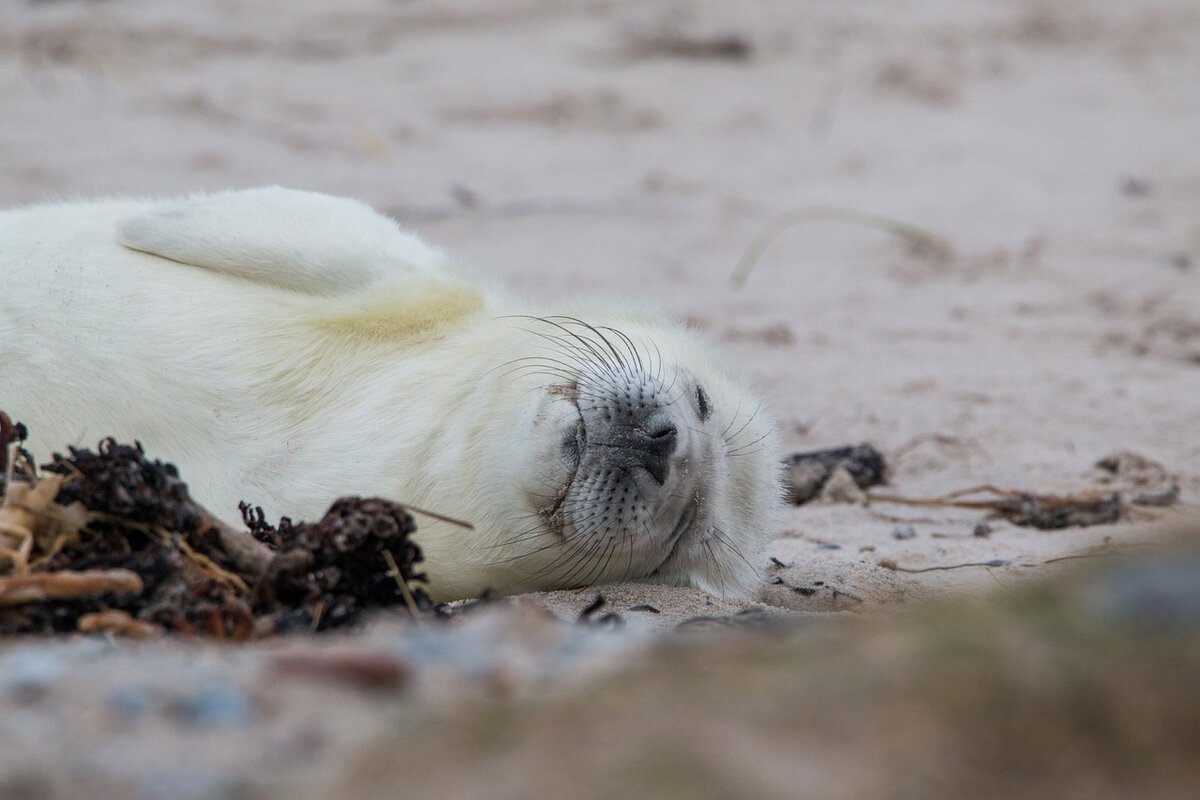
286, 348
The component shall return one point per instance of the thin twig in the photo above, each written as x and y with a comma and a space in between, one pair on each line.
439, 517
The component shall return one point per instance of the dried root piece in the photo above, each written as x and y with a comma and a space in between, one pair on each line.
68, 585
119, 623
30, 517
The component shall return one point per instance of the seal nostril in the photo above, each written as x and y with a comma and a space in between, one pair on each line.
667, 431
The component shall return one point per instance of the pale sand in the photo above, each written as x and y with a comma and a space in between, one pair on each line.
1054, 152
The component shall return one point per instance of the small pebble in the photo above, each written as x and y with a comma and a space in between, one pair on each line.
1135, 187
28, 674
184, 784
1158, 593
132, 702
982, 530
904, 532
215, 705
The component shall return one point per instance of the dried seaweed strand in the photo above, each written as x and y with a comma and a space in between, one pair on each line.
1046, 511
887, 563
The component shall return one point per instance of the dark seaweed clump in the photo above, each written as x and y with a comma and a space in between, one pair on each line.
310, 576
329, 571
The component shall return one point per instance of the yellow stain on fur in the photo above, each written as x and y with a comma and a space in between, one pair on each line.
422, 312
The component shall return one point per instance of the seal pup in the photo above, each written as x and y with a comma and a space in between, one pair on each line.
287, 348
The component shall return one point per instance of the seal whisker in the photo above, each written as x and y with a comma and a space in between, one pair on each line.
661, 362
674, 377
741, 448
733, 419
746, 424
699, 432
571, 349
716, 562
616, 354
595, 553
562, 345
602, 559
581, 544
583, 340
524, 555
720, 537
633, 351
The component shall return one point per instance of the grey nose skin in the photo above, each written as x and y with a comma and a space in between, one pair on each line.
634, 447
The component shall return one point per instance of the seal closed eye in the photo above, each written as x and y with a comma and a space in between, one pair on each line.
288, 348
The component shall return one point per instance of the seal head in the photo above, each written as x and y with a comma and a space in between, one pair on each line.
656, 463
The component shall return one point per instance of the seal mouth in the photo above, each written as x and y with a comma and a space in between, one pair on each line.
679, 533
572, 446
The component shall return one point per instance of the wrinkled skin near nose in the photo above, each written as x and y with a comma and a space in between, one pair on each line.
645, 438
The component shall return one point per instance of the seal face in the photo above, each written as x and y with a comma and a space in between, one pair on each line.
287, 348
653, 479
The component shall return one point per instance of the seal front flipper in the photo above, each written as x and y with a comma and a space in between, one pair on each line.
301, 241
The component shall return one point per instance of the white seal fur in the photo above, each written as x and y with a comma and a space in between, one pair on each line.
287, 348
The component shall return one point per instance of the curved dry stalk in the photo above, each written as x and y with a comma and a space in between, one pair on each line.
917, 237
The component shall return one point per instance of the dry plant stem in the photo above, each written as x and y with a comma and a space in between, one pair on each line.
67, 585
398, 577
117, 622
918, 237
